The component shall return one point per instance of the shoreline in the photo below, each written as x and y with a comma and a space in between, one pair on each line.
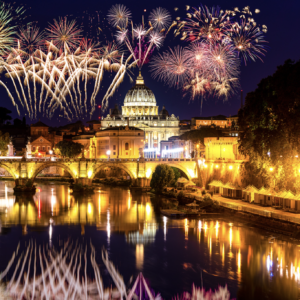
280, 226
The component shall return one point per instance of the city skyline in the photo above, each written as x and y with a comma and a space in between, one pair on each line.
173, 99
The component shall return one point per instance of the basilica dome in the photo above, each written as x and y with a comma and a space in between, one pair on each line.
140, 95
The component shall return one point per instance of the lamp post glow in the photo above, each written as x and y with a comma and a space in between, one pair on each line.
108, 153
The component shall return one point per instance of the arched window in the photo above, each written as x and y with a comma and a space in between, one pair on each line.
126, 146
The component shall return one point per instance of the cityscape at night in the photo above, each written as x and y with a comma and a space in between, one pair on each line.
149, 150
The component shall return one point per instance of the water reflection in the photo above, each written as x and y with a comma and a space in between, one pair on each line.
258, 262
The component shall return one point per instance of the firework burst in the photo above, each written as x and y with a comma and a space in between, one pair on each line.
141, 40
64, 33
119, 15
160, 18
30, 38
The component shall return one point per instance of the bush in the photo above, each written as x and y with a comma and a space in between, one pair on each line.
180, 195
172, 194
207, 197
162, 177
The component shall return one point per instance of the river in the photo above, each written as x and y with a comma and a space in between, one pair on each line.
171, 254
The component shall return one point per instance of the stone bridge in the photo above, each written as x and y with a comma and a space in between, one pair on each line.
84, 170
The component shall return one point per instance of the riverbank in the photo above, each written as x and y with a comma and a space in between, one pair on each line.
267, 218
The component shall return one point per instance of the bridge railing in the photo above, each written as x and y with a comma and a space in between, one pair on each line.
48, 159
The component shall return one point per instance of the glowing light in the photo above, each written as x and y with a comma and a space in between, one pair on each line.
217, 166
89, 208
230, 167
165, 227
271, 169
148, 173
90, 173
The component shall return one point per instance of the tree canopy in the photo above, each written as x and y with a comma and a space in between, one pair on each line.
198, 135
69, 148
270, 124
162, 177
4, 115
4, 141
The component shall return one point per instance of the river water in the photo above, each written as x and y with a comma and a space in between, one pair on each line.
171, 254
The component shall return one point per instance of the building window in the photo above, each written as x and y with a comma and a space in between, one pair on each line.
126, 146
39, 132
114, 153
139, 134
48, 148
33, 149
43, 148
114, 132
114, 147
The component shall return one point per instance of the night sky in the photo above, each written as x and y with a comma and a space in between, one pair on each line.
281, 18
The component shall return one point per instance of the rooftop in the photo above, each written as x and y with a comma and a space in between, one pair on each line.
39, 124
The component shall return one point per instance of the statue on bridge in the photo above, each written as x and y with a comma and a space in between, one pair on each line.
28, 149
10, 151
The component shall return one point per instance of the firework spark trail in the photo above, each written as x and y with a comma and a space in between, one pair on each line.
59, 63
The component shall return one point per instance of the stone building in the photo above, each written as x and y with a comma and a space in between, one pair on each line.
141, 111
42, 139
223, 148
117, 142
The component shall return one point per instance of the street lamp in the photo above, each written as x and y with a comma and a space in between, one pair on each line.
50, 152
108, 153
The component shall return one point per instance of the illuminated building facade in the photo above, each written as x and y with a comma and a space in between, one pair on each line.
117, 142
141, 110
41, 139
223, 148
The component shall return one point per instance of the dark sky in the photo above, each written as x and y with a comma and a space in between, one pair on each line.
281, 17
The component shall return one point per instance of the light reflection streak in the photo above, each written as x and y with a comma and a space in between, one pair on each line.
165, 227
139, 254
108, 226
186, 229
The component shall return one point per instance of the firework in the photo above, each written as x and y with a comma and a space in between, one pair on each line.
119, 15
248, 41
64, 33
236, 27
6, 29
205, 23
30, 38
141, 40
210, 64
63, 75
160, 18
199, 69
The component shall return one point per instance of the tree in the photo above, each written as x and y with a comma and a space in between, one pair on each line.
270, 124
4, 141
18, 122
69, 148
4, 115
177, 174
162, 177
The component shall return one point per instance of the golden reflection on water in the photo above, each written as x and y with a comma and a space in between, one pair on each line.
232, 250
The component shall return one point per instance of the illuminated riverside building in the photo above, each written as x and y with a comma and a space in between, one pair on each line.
222, 148
117, 142
141, 110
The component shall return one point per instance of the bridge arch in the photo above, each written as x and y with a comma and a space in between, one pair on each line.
52, 164
9, 170
110, 165
172, 164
